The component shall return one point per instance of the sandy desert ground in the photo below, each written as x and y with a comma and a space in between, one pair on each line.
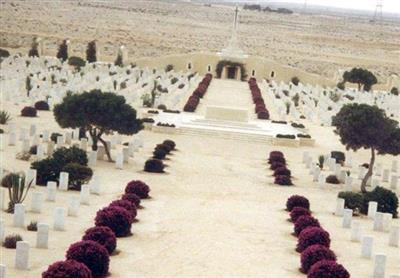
316, 43
215, 213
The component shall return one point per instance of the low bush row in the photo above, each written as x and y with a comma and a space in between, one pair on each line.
260, 108
277, 161
156, 164
316, 259
197, 94
90, 257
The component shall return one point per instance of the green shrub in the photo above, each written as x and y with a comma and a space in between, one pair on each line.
352, 200
78, 175
32, 226
394, 91
4, 53
338, 156
295, 80
386, 199
76, 62
7, 180
47, 170
64, 156
332, 179
169, 68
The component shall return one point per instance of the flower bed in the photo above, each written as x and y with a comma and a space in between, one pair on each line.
317, 260
197, 94
260, 109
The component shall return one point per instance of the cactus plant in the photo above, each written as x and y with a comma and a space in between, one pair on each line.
17, 190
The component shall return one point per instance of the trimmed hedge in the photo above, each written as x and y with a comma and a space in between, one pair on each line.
67, 269
126, 205
118, 219
326, 268
311, 236
102, 235
133, 198
304, 222
92, 254
154, 166
297, 201
314, 254
42, 105
139, 188
296, 212
28, 111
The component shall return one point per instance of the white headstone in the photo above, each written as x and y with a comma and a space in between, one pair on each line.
64, 179
321, 181
51, 191
305, 156
85, 194
356, 231
73, 206
32, 130
19, 215
342, 176
125, 154
59, 219
101, 151
387, 221
348, 183
385, 176
2, 142
394, 166
22, 255
2, 271
2, 231
50, 148
339, 206
95, 186
26, 145
84, 143
46, 136
40, 152
3, 202
36, 202
378, 169
119, 161
12, 139
60, 140
42, 237
372, 208
394, 236
31, 175
361, 172
379, 266
92, 158
378, 221
68, 138
347, 217
394, 182
366, 246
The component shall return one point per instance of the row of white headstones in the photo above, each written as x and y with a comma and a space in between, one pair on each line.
382, 221
25, 136
387, 175
37, 198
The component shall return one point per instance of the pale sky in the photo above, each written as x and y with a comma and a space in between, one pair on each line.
392, 6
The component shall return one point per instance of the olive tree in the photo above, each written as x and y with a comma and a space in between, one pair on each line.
365, 126
362, 77
91, 52
99, 114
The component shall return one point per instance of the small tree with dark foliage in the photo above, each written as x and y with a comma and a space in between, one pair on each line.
91, 52
362, 77
34, 52
62, 53
364, 126
99, 113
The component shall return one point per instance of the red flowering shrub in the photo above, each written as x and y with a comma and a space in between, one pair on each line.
327, 268
275, 165
118, 219
170, 143
67, 269
275, 159
159, 154
303, 222
139, 188
126, 205
276, 154
314, 254
296, 212
260, 109
28, 111
297, 201
163, 147
102, 235
282, 171
92, 254
154, 166
42, 105
263, 115
312, 235
283, 180
133, 198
